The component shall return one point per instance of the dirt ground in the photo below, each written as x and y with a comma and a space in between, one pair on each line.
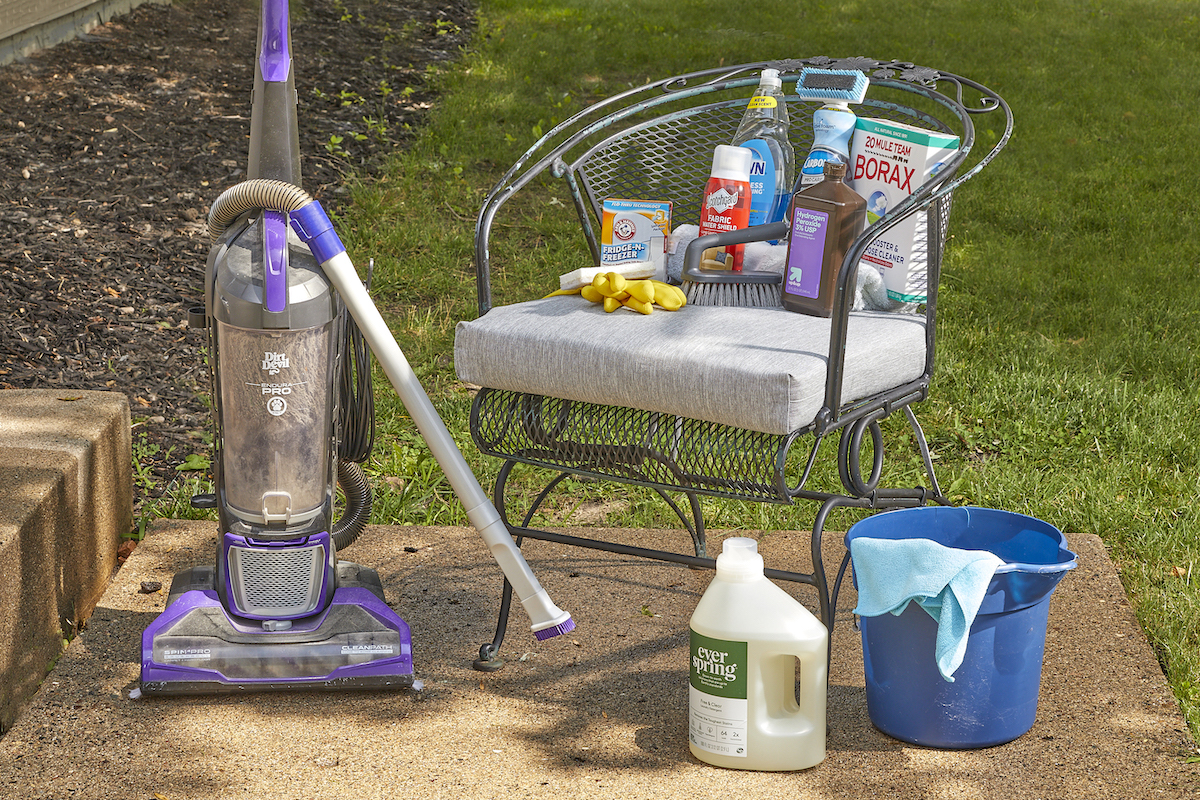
113, 146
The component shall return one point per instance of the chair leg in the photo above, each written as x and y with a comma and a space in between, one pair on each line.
827, 599
694, 525
489, 654
926, 458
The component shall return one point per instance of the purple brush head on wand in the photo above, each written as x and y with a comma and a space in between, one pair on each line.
555, 630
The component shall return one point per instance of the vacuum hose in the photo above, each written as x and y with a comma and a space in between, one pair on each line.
312, 225
358, 504
253, 196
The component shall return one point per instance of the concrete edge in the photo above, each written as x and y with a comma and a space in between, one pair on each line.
32, 31
66, 499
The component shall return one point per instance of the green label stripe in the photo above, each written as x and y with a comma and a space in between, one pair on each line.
718, 667
906, 298
906, 133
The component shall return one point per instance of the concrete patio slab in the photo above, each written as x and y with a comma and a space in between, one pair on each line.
599, 713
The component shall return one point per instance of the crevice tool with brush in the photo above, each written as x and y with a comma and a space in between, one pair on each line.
726, 287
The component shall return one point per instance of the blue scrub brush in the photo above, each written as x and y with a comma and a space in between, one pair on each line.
832, 85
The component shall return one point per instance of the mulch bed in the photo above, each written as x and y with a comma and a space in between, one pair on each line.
113, 146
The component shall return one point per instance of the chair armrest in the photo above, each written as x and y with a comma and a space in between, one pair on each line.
757, 233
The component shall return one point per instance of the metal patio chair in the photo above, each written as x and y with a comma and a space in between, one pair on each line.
801, 379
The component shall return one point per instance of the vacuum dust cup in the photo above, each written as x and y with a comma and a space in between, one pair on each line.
746, 708
275, 380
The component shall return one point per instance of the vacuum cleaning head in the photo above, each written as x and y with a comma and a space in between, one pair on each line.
196, 646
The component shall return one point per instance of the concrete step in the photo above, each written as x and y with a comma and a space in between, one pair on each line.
66, 498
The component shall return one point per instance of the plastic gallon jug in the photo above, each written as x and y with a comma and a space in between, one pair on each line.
746, 709
764, 130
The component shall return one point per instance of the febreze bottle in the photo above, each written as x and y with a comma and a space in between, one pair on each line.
725, 205
746, 709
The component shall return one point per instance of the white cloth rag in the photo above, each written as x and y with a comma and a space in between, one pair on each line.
870, 294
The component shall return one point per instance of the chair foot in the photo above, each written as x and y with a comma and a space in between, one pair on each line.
488, 660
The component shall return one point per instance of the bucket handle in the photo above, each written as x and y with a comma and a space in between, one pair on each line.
1041, 569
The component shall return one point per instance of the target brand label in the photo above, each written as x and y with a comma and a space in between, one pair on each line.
717, 699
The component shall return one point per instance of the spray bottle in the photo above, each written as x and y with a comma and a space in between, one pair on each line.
833, 122
764, 130
746, 708
725, 205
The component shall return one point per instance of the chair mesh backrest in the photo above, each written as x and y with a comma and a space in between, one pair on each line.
670, 157
665, 160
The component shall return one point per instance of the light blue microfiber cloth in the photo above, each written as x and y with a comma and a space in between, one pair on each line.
947, 582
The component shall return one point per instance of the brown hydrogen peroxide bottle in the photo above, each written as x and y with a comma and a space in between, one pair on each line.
825, 220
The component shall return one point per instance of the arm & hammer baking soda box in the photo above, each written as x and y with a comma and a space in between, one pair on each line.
888, 162
635, 230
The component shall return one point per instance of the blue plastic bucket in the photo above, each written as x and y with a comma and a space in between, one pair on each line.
993, 698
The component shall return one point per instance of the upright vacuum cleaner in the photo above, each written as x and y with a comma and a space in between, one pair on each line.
291, 329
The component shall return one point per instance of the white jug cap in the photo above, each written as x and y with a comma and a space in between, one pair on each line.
732, 163
739, 560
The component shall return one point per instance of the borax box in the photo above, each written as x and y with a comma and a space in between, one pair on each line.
888, 161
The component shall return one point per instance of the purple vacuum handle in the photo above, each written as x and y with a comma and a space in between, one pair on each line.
275, 244
274, 56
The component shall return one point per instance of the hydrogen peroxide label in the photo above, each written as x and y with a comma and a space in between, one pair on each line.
717, 707
806, 253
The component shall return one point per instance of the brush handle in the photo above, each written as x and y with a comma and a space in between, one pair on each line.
695, 249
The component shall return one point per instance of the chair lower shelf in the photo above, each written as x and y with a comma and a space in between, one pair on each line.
667, 454
644, 448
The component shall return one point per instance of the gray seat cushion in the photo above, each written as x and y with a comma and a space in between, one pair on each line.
757, 368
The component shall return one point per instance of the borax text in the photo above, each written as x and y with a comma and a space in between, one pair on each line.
873, 168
